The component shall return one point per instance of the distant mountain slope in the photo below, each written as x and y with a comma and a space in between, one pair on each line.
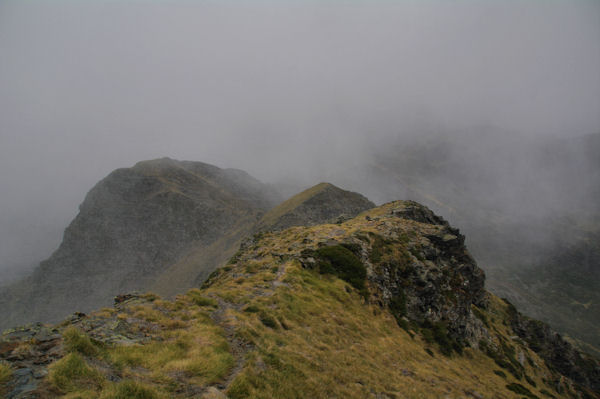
133, 225
319, 204
389, 304
162, 225
561, 288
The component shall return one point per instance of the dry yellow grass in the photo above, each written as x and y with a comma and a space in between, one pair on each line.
292, 333
5, 374
326, 342
315, 337
187, 350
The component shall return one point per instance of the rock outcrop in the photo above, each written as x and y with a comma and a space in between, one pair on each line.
417, 265
435, 278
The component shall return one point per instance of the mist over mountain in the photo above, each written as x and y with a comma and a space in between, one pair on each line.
485, 112
288, 93
131, 226
162, 225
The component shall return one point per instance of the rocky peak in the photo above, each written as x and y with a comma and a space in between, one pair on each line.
131, 227
323, 203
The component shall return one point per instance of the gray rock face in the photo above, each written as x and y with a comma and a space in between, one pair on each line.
557, 352
323, 203
29, 350
131, 226
436, 279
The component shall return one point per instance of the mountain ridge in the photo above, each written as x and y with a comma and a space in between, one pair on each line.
387, 304
163, 225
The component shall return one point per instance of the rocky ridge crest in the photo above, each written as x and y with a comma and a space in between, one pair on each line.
392, 295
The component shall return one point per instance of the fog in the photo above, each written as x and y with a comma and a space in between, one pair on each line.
293, 93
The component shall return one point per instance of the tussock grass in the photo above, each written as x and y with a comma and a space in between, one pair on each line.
87, 394
5, 374
200, 352
72, 373
77, 341
340, 261
129, 389
186, 348
148, 312
201, 300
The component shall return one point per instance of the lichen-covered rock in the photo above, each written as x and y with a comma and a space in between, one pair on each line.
557, 352
416, 265
29, 350
429, 275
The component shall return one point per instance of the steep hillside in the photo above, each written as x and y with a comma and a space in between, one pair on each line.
562, 288
132, 226
319, 204
529, 207
387, 305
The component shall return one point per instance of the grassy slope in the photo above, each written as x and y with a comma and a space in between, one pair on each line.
184, 351
267, 328
313, 336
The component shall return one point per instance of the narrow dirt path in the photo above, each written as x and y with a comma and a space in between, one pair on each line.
238, 347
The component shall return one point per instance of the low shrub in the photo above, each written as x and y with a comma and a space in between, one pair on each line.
521, 390
378, 248
500, 373
398, 306
546, 393
438, 333
342, 262
530, 381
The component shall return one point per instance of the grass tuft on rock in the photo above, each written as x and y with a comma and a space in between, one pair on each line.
5, 374
77, 341
72, 373
196, 296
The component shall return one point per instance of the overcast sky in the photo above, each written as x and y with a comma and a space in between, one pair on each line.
272, 88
